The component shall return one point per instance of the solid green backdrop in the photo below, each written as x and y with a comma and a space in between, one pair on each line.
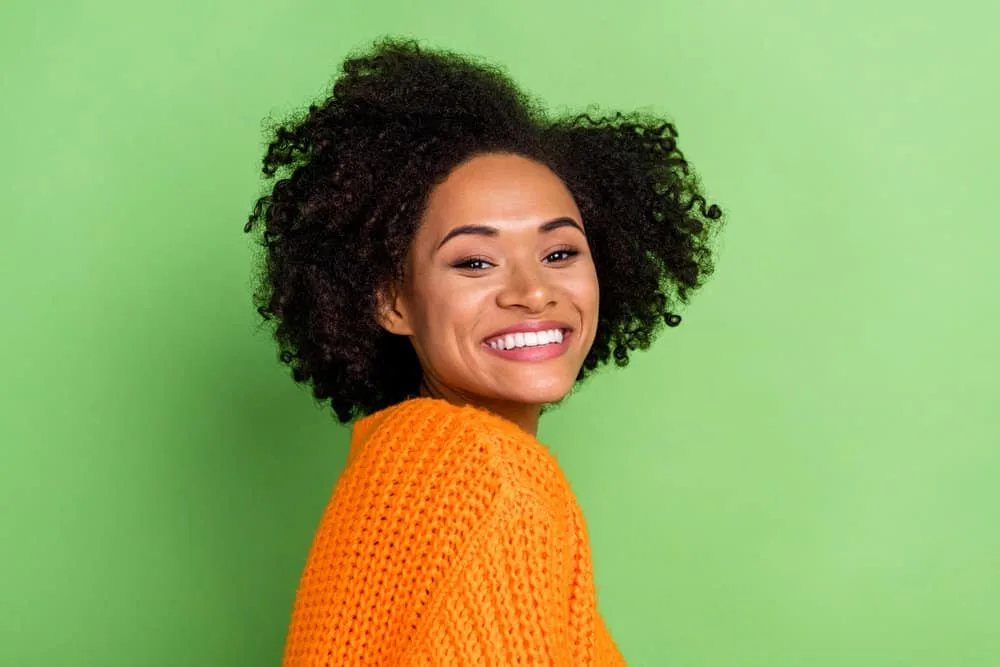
804, 473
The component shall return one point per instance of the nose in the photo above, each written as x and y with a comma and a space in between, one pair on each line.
526, 287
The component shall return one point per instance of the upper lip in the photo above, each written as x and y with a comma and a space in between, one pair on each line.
534, 325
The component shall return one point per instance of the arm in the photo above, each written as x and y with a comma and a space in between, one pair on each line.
516, 596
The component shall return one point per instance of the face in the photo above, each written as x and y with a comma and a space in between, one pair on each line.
500, 299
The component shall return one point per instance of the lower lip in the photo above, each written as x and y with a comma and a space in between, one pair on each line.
534, 352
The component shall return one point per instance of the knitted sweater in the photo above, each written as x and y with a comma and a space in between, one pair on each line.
451, 538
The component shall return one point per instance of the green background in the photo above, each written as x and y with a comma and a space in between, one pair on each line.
806, 472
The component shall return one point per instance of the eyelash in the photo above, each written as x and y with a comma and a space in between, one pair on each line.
569, 253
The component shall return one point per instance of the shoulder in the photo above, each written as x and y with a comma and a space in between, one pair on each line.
471, 447
434, 427
430, 443
422, 431
426, 458
423, 477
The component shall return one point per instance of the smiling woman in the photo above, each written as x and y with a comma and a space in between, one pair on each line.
442, 261
500, 259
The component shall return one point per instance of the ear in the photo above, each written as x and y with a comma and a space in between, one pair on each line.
391, 310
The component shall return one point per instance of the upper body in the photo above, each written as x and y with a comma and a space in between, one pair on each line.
443, 260
451, 538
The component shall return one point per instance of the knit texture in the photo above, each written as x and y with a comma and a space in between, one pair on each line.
451, 538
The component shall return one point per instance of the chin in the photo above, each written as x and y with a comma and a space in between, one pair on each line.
540, 393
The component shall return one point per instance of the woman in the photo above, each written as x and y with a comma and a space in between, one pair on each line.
442, 261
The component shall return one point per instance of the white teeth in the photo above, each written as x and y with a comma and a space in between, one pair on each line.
527, 339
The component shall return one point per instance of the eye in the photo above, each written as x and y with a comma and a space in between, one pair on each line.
561, 255
472, 264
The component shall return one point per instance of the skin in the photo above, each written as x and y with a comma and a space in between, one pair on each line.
458, 291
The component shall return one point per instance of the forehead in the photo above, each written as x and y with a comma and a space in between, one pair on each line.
498, 188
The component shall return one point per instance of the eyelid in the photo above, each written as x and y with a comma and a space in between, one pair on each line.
460, 264
568, 249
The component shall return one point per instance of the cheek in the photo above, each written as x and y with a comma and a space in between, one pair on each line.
586, 290
595, 285
451, 307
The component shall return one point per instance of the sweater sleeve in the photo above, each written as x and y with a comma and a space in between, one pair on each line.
509, 599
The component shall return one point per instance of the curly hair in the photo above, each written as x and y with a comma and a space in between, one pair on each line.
352, 177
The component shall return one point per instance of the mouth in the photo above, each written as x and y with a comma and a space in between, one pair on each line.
535, 342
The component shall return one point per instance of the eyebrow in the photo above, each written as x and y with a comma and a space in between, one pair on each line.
486, 230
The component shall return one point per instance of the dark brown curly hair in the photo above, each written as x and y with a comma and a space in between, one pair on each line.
353, 174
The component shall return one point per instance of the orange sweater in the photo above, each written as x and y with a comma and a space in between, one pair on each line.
451, 538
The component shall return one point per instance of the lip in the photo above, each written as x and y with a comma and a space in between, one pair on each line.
531, 326
534, 353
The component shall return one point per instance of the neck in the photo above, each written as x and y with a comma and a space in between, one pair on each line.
523, 415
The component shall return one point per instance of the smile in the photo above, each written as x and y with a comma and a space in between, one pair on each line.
535, 342
520, 339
